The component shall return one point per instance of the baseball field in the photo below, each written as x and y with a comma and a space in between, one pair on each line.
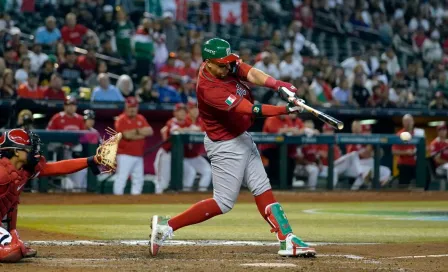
362, 231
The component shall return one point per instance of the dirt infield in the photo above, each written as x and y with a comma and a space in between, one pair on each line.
234, 258
190, 198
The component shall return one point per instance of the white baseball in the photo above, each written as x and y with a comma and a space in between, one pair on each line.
405, 136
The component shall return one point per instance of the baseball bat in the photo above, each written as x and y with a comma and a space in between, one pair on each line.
335, 123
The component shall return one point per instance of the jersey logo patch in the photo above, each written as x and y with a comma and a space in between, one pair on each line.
240, 90
230, 100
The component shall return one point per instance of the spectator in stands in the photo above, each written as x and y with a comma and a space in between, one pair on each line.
277, 41
442, 84
173, 73
73, 33
125, 86
135, 129
37, 57
350, 63
8, 89
335, 76
160, 49
30, 89
196, 55
167, 94
54, 91
439, 150
439, 102
143, 46
266, 65
106, 22
402, 43
187, 91
431, 49
342, 94
46, 72
379, 98
382, 71
23, 51
322, 90
188, 69
10, 57
14, 41
114, 66
106, 92
420, 21
360, 93
88, 62
171, 31
290, 68
21, 74
60, 52
25, 120
92, 80
296, 40
70, 71
418, 39
124, 29
146, 91
48, 34
393, 67
406, 153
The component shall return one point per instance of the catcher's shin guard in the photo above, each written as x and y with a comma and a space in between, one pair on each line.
277, 219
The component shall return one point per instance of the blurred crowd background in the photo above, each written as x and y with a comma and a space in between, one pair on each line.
355, 53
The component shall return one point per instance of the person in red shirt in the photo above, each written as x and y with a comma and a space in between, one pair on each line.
347, 165
307, 157
130, 153
54, 91
88, 62
175, 74
366, 152
439, 150
226, 106
73, 33
187, 69
30, 89
283, 124
407, 159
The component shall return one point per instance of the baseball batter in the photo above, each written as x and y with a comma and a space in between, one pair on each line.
20, 161
226, 106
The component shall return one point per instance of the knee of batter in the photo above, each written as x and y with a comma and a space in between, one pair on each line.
225, 203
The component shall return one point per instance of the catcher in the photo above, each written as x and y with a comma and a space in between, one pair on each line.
20, 161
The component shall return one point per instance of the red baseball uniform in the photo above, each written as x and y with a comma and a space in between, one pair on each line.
217, 98
437, 145
195, 150
405, 159
358, 148
310, 152
131, 147
324, 148
274, 124
62, 121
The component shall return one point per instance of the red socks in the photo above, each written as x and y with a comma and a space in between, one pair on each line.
264, 200
199, 212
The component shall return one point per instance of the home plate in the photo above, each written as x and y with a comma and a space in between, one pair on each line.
270, 264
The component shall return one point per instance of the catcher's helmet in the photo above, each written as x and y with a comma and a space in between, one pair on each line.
89, 114
20, 139
218, 50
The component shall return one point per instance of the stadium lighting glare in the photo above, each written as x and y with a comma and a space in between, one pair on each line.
38, 115
434, 123
368, 122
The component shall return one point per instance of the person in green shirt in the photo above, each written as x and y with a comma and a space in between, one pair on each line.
124, 31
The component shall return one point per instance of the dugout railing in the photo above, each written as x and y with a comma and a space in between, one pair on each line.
376, 140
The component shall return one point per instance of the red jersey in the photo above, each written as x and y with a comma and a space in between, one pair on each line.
62, 121
196, 149
437, 145
173, 124
309, 152
405, 159
74, 35
87, 65
274, 124
131, 147
53, 94
357, 148
172, 72
217, 99
26, 91
323, 148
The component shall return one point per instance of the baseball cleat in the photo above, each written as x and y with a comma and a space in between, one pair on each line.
159, 233
29, 252
294, 247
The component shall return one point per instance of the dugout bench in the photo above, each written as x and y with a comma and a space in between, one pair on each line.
377, 140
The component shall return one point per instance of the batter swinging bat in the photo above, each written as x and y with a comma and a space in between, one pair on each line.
290, 96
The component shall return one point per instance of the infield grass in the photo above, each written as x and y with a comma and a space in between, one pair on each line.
328, 222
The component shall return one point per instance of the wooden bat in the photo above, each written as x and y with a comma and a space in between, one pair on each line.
322, 116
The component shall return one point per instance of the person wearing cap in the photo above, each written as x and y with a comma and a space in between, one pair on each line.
227, 107
48, 34
162, 163
439, 150
135, 130
54, 90
30, 89
282, 124
366, 153
347, 165
106, 92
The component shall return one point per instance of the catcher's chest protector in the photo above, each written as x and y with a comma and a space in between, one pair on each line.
11, 184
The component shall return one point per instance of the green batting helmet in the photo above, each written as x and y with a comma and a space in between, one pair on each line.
218, 50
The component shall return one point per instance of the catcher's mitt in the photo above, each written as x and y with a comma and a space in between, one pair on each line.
106, 154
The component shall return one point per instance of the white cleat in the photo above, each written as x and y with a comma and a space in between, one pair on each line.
159, 233
294, 247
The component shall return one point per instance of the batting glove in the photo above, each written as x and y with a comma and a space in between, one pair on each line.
291, 107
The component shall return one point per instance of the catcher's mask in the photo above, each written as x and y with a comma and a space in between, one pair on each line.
21, 139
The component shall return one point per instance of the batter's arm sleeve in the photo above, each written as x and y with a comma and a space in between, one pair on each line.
246, 107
